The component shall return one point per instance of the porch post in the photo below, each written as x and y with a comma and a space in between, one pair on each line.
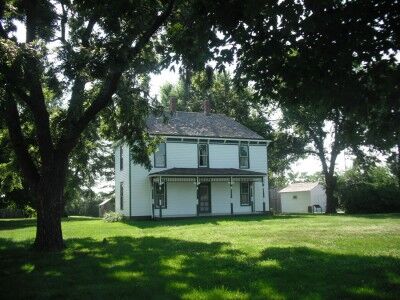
197, 196
230, 184
263, 187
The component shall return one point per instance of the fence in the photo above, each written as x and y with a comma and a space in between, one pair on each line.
275, 200
12, 213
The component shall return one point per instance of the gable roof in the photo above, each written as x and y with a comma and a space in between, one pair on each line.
198, 124
299, 187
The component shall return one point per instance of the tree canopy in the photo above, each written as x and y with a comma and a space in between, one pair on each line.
84, 64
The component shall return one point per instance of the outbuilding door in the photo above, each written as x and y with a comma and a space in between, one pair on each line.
205, 197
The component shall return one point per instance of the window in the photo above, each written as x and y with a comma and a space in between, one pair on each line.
160, 195
203, 155
245, 193
121, 158
121, 196
160, 157
244, 156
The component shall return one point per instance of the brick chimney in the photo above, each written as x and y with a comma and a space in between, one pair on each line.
172, 104
206, 107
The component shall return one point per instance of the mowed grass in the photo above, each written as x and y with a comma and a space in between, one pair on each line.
258, 257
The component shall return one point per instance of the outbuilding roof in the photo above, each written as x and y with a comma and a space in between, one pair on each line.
199, 124
299, 187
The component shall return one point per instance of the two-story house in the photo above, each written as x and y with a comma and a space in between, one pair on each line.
207, 164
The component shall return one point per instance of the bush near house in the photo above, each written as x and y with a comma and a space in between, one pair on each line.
372, 191
112, 216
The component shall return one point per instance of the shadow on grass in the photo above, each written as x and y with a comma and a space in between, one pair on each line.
374, 216
213, 220
7, 224
163, 268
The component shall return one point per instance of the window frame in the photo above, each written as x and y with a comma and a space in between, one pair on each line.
155, 188
121, 158
248, 156
248, 203
121, 195
207, 155
165, 156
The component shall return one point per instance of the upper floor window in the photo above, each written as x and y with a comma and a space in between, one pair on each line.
244, 156
160, 157
160, 195
121, 196
203, 155
121, 157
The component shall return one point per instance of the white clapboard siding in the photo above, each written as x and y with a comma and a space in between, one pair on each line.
224, 156
182, 197
181, 155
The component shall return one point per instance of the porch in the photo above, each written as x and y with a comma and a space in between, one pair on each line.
191, 192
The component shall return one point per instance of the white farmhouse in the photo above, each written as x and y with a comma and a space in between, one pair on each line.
303, 197
207, 164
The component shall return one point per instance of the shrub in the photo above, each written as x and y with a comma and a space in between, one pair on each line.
29, 212
371, 191
111, 216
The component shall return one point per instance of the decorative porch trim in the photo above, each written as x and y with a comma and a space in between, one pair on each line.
199, 179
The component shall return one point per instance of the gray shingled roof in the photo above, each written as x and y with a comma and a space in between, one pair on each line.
207, 172
299, 187
198, 124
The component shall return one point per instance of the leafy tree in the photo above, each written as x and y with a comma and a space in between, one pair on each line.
371, 190
318, 60
327, 132
382, 126
84, 62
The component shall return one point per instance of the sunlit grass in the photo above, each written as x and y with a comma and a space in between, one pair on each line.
297, 256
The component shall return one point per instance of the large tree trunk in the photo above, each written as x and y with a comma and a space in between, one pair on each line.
397, 162
50, 206
330, 182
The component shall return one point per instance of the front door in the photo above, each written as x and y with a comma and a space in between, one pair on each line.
204, 198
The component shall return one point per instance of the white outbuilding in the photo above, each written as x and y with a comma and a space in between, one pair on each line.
303, 197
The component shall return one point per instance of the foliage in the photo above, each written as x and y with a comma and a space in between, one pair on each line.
324, 63
112, 216
311, 256
81, 73
305, 177
374, 190
30, 212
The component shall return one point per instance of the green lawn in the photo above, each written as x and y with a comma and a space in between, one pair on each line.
309, 256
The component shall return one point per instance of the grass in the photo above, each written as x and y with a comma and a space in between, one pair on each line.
258, 257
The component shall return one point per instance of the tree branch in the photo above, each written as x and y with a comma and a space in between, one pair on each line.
36, 103
110, 85
25, 160
319, 144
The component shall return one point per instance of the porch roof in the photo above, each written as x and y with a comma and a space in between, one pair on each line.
210, 172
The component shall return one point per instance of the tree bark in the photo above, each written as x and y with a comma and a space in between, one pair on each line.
50, 207
330, 182
397, 162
